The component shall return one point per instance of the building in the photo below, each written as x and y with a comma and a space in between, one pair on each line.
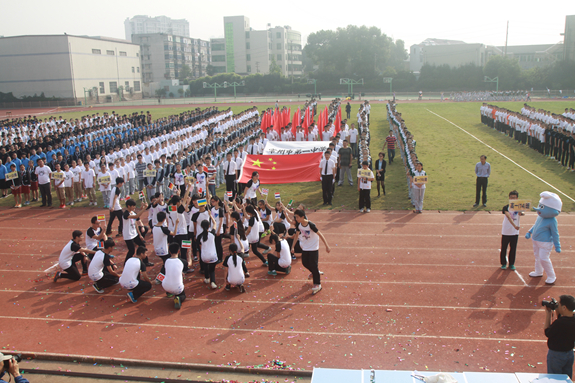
569, 38
244, 50
142, 24
531, 56
86, 69
439, 52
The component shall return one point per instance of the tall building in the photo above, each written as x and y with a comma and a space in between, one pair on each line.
569, 36
142, 24
246, 51
86, 69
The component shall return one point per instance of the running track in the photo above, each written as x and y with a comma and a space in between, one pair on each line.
401, 291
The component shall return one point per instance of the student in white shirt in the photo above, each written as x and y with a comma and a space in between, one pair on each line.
509, 233
161, 234
418, 189
115, 208
59, 185
208, 253
70, 254
130, 232
253, 234
77, 169
105, 188
88, 180
102, 271
134, 276
95, 234
252, 187
69, 184
364, 187
282, 261
43, 172
173, 282
235, 273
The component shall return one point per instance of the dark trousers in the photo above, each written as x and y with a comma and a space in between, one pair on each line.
46, 194
481, 183
210, 271
142, 287
391, 155
230, 184
107, 280
113, 215
183, 250
131, 244
219, 248
273, 264
255, 250
72, 271
510, 240
364, 198
309, 260
326, 187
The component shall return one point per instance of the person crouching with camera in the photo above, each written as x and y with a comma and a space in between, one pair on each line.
560, 335
10, 365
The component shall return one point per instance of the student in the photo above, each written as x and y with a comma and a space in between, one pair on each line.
509, 233
33, 181
160, 233
208, 254
230, 174
68, 185
102, 271
115, 208
197, 218
70, 254
95, 234
193, 208
379, 168
105, 188
25, 188
129, 232
173, 282
15, 187
150, 183
238, 233
43, 173
134, 276
235, 273
309, 235
59, 185
282, 261
253, 234
252, 187
282, 221
364, 188
266, 215
327, 171
217, 211
88, 182
417, 189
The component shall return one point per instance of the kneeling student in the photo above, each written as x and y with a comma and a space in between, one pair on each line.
134, 277
173, 282
102, 270
72, 253
281, 262
235, 275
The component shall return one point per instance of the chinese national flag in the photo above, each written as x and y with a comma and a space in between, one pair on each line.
282, 169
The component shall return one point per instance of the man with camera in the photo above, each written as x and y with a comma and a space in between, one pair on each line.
560, 335
10, 366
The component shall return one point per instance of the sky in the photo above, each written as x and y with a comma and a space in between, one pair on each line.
412, 21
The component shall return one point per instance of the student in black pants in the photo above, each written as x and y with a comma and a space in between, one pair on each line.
70, 254
115, 208
130, 234
134, 276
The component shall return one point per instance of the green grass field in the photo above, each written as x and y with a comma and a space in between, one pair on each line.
448, 154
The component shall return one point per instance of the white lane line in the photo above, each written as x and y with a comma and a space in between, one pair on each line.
502, 155
123, 296
49, 268
521, 277
260, 330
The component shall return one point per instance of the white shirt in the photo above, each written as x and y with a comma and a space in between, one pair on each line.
96, 268
129, 229
43, 174
129, 279
106, 174
285, 254
230, 168
68, 179
235, 272
365, 184
507, 228
88, 177
67, 253
330, 165
160, 234
173, 283
209, 253
308, 238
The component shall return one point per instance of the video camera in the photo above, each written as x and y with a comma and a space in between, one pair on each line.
552, 304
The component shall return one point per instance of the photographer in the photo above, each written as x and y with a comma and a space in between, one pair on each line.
561, 335
10, 365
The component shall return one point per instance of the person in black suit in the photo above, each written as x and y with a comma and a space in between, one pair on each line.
379, 169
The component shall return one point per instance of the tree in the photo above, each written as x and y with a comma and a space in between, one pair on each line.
181, 92
210, 70
161, 92
185, 72
274, 67
508, 71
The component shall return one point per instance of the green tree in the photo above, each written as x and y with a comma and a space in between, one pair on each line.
210, 70
161, 92
274, 67
181, 92
508, 71
185, 72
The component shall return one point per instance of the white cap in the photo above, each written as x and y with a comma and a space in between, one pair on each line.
551, 200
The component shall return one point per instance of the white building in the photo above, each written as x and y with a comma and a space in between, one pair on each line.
86, 69
142, 24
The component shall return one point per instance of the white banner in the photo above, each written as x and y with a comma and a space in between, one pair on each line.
295, 147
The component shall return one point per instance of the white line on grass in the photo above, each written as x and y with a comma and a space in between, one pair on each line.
501, 154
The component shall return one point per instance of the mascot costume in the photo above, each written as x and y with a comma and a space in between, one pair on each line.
545, 235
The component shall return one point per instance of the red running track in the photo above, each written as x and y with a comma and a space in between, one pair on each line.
400, 291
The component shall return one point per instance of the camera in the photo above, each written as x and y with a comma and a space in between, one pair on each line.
552, 304
17, 358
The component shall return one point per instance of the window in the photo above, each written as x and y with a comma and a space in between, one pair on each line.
138, 69
218, 47
133, 70
127, 84
136, 86
247, 34
279, 35
247, 45
249, 68
279, 57
96, 51
113, 86
270, 46
137, 54
248, 58
279, 46
123, 53
219, 58
111, 53
102, 89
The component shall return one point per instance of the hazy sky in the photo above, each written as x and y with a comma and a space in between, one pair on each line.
412, 21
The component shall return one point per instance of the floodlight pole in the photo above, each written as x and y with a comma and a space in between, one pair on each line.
390, 81
495, 80
234, 84
314, 82
215, 86
350, 83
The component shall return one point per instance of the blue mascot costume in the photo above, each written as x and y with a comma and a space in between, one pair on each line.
545, 235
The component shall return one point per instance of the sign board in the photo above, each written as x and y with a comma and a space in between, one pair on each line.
364, 173
104, 180
420, 179
149, 173
519, 205
11, 176
190, 179
57, 176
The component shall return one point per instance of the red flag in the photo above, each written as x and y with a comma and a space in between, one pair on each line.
288, 114
282, 169
337, 121
295, 122
277, 122
263, 123
305, 124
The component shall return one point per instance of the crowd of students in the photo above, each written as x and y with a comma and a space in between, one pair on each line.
517, 95
551, 134
407, 145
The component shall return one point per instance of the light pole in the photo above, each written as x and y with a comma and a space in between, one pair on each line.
234, 84
85, 101
350, 83
495, 80
314, 82
215, 86
388, 80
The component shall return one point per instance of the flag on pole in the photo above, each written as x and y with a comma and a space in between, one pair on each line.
186, 244
337, 121
265, 191
230, 194
305, 123
142, 195
100, 244
202, 202
101, 217
172, 208
295, 122
160, 277
127, 197
171, 186
278, 196
282, 169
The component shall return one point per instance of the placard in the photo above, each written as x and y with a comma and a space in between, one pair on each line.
103, 180
190, 179
186, 244
11, 176
519, 205
57, 176
149, 173
420, 179
364, 173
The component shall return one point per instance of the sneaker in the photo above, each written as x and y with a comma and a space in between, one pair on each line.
57, 276
311, 275
242, 289
503, 267
149, 264
475, 204
533, 274
316, 289
484, 205
265, 264
131, 297
71, 203
206, 281
228, 287
247, 275
512, 267
267, 250
158, 282
272, 272
213, 286
98, 290
288, 270
293, 258
177, 303
368, 210
361, 210
169, 295
195, 258
62, 206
